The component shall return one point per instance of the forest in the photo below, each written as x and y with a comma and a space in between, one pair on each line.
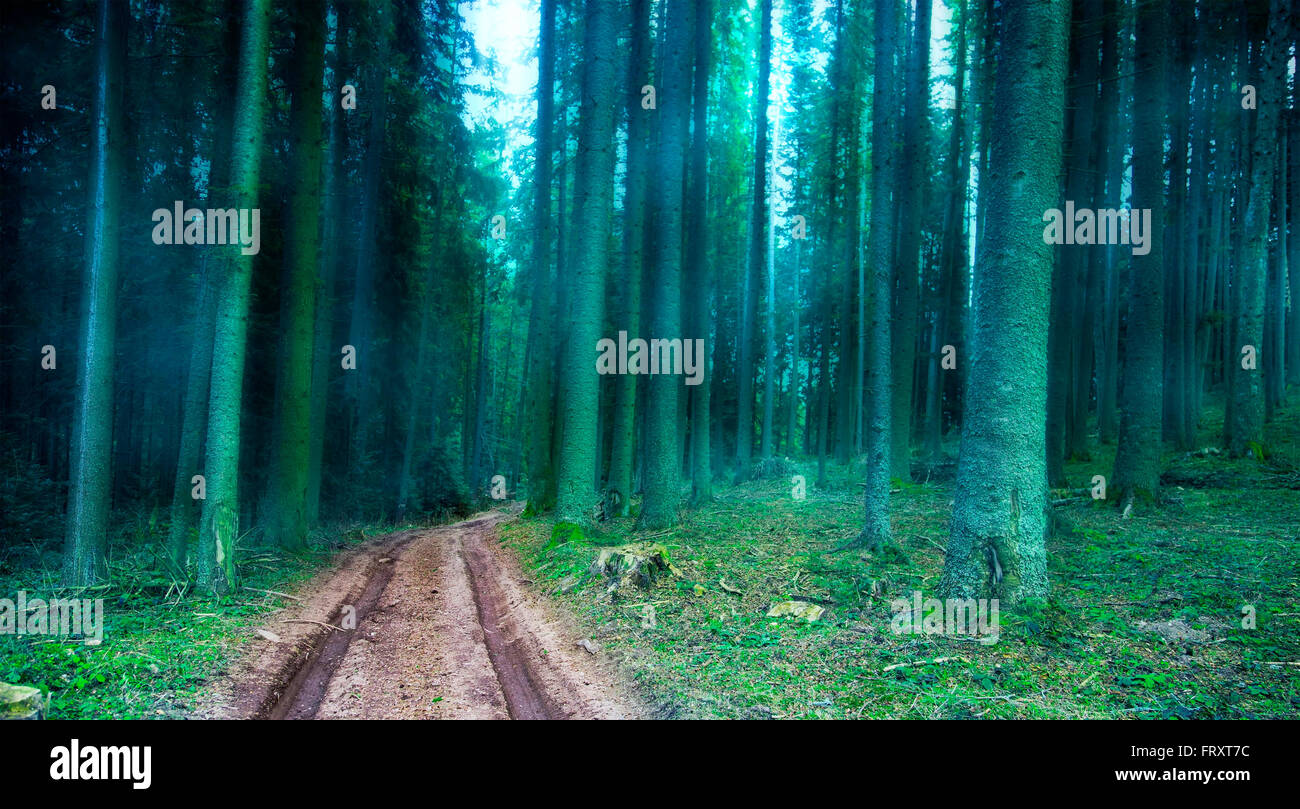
751, 337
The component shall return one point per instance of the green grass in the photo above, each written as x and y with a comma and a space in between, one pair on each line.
1110, 642
159, 647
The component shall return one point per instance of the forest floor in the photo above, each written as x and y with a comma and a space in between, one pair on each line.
1186, 608
440, 623
1148, 615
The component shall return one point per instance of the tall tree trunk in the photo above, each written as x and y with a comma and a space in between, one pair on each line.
327, 355
1000, 520
368, 251
1275, 318
769, 326
184, 509
1245, 424
663, 458
1194, 224
539, 384
287, 523
1137, 460
1293, 215
911, 207
947, 383
757, 250
219, 526
848, 110
1113, 147
1178, 274
792, 413
698, 269
876, 530
85, 551
619, 489
478, 439
576, 495
1086, 276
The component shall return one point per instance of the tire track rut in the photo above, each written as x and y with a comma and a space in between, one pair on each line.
446, 628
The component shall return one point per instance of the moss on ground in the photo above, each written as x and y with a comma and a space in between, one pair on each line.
1145, 619
160, 646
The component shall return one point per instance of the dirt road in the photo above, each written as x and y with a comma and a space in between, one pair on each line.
445, 627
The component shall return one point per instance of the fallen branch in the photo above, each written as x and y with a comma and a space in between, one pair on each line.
310, 621
925, 662
941, 548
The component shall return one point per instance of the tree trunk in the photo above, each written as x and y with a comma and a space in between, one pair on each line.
911, 207
368, 251
327, 353
576, 496
1000, 520
219, 527
85, 551
757, 250
1137, 460
619, 488
876, 530
184, 510
698, 268
663, 459
1245, 424
287, 523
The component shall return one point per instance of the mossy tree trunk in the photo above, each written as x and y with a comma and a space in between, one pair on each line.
999, 524
219, 527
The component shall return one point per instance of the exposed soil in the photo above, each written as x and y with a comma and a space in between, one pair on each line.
446, 627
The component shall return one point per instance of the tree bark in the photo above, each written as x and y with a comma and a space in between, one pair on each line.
1000, 520
576, 496
85, 552
219, 527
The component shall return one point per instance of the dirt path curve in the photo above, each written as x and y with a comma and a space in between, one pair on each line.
445, 627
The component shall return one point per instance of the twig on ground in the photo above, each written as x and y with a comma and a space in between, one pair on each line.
925, 662
310, 621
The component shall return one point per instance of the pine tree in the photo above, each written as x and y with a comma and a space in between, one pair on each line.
1245, 423
85, 553
663, 461
876, 530
287, 510
540, 389
757, 249
1137, 460
219, 527
999, 522
619, 497
576, 496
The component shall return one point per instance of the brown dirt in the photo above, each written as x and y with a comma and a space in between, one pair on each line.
446, 628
